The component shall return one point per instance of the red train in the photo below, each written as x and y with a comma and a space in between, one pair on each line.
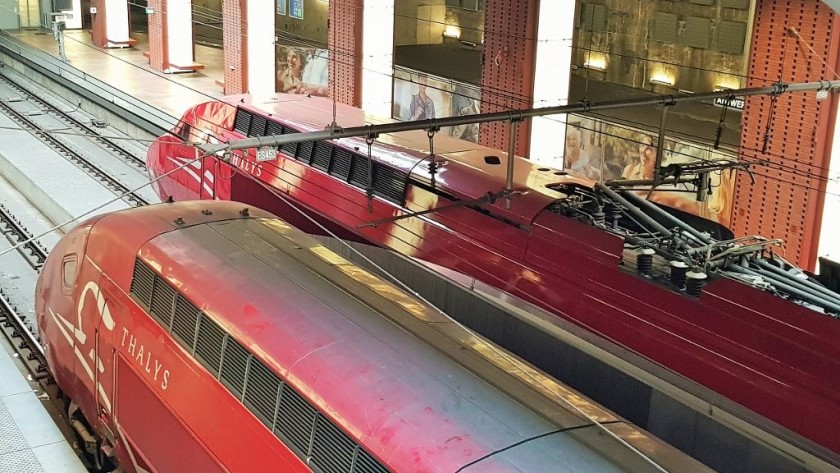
201, 337
749, 326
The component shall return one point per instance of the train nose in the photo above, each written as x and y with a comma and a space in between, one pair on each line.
155, 168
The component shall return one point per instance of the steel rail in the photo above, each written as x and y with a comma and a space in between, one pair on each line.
332, 133
45, 136
75, 122
14, 326
15, 232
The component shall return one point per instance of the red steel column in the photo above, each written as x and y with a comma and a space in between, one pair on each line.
787, 198
98, 30
158, 37
233, 41
345, 44
507, 76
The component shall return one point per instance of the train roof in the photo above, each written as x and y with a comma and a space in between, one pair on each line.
350, 343
465, 173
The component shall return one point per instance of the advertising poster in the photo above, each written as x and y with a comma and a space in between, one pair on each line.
281, 7
302, 70
600, 150
296, 9
419, 96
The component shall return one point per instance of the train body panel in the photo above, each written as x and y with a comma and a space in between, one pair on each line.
220, 339
774, 357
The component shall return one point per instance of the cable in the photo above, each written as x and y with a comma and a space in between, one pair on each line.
99, 207
529, 439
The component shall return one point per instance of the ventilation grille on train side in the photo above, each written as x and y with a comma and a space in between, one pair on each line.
349, 166
332, 451
322, 155
163, 301
242, 121
257, 128
389, 183
183, 322
142, 283
340, 167
208, 347
298, 423
234, 367
262, 392
289, 148
295, 419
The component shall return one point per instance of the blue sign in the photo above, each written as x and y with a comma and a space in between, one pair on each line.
296, 9
281, 7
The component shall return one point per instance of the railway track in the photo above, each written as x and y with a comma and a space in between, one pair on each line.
68, 151
73, 122
16, 232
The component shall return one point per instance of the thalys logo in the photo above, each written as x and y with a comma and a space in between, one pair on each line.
77, 337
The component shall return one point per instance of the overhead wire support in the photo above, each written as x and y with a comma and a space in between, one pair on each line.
362, 131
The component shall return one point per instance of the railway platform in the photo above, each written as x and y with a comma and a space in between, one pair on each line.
30, 441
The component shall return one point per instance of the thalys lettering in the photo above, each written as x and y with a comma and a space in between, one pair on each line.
147, 361
245, 165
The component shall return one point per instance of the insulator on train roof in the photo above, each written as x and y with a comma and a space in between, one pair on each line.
616, 215
695, 282
644, 261
678, 274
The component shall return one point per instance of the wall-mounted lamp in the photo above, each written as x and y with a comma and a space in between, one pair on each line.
662, 79
596, 66
452, 31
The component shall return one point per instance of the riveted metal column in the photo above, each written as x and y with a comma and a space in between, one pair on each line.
345, 44
507, 75
233, 42
791, 133
158, 37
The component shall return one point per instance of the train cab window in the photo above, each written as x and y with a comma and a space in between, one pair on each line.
69, 272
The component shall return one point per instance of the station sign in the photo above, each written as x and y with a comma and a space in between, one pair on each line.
732, 102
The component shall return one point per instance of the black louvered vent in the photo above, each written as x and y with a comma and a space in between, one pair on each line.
304, 151
234, 367
289, 148
261, 392
274, 128
332, 449
359, 173
257, 127
183, 323
389, 183
342, 159
142, 282
295, 419
365, 463
321, 155
208, 348
242, 121
163, 301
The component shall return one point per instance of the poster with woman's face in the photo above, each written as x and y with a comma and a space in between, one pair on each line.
302, 70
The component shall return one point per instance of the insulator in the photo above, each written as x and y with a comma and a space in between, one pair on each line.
695, 282
616, 215
678, 274
644, 261
600, 218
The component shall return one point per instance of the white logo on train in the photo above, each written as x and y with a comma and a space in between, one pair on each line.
147, 361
